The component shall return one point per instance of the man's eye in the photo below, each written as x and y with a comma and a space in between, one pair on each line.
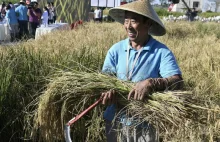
126, 21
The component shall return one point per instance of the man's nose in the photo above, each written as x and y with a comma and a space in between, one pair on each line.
128, 25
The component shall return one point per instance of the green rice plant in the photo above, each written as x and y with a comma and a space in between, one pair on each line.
163, 12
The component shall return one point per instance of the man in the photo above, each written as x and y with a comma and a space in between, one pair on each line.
21, 12
54, 13
191, 14
49, 6
141, 59
3, 9
97, 14
13, 22
34, 14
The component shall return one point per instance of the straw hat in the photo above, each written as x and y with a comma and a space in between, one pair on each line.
22, 1
141, 7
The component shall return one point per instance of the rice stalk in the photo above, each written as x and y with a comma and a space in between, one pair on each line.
69, 93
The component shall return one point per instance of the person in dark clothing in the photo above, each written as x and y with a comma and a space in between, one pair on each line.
191, 14
34, 14
3, 9
54, 13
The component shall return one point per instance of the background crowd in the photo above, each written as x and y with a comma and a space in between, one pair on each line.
23, 19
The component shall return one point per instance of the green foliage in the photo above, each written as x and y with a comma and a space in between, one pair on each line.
20, 75
163, 12
13, 1
209, 29
209, 14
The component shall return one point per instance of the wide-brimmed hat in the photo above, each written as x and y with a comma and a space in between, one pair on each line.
141, 7
22, 1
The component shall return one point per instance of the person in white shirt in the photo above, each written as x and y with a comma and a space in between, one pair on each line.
45, 16
97, 14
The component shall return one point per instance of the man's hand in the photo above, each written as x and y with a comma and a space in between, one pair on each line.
108, 97
141, 90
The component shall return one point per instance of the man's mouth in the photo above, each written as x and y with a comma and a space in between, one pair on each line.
131, 34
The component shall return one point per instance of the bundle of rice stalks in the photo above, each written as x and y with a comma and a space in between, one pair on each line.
69, 93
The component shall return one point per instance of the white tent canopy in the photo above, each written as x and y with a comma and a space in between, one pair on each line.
105, 3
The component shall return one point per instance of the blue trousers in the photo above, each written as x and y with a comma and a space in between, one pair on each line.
122, 133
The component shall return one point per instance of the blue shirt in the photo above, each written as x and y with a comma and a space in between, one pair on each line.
22, 12
155, 60
11, 16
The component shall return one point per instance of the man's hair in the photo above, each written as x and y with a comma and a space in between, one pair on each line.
35, 3
8, 7
145, 19
22, 2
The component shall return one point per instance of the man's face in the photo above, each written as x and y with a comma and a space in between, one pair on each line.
136, 26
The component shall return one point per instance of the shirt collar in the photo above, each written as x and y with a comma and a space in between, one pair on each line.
146, 47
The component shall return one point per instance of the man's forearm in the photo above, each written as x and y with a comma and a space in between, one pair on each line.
171, 83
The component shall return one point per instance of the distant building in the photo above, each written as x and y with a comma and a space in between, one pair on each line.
109, 3
203, 5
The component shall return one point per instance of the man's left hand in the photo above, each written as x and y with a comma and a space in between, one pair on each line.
141, 90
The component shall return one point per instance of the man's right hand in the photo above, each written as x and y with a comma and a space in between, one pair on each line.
108, 97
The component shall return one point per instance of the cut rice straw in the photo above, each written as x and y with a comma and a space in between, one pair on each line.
69, 93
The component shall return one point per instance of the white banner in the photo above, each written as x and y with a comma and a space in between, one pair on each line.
105, 3
94, 3
117, 3
111, 3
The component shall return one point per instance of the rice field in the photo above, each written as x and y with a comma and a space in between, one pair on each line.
26, 70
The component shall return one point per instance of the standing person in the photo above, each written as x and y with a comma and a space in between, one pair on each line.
191, 14
45, 16
12, 6
34, 13
50, 21
3, 9
12, 21
101, 15
97, 14
21, 11
39, 12
141, 59
54, 13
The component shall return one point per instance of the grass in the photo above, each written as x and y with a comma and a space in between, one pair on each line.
24, 70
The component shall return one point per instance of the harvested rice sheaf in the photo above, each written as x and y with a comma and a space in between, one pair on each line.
69, 93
